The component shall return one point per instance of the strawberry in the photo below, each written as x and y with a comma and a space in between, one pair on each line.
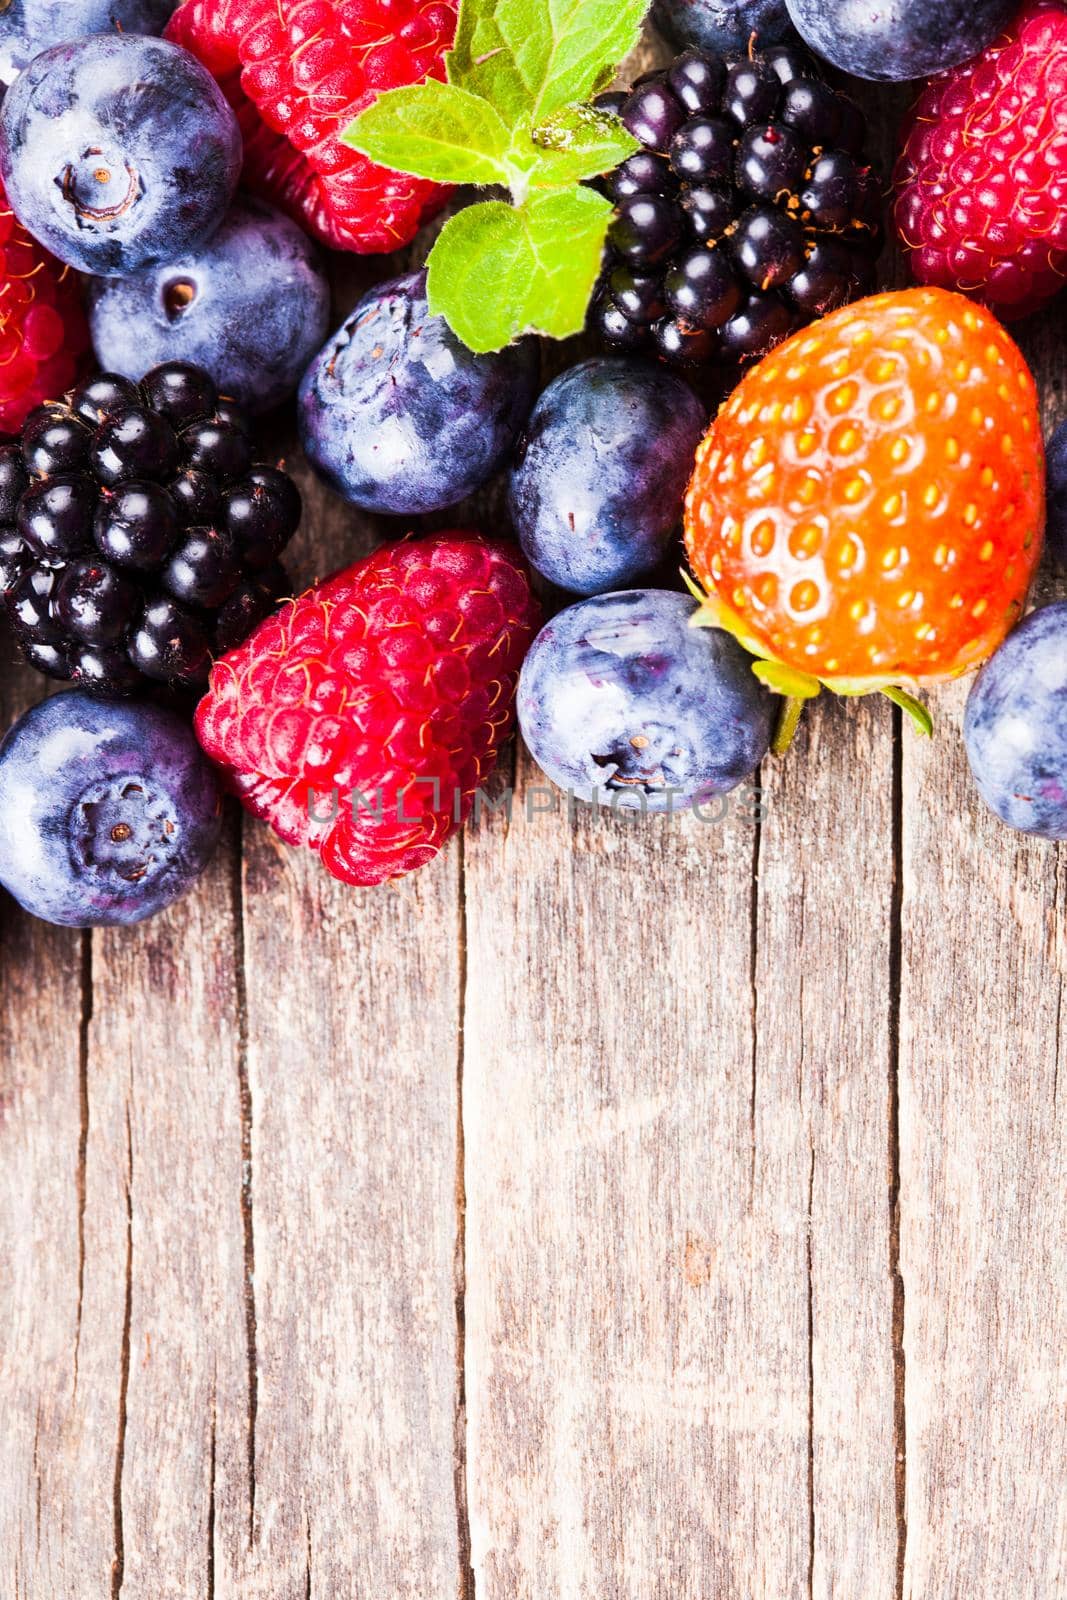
361, 718
43, 334
296, 73
867, 509
982, 179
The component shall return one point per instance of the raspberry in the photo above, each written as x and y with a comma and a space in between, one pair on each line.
296, 73
360, 720
867, 508
749, 210
982, 178
137, 539
43, 334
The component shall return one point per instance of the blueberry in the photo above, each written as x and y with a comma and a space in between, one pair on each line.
621, 699
399, 416
29, 26
898, 39
597, 491
721, 25
1056, 467
251, 306
118, 152
108, 811
1015, 726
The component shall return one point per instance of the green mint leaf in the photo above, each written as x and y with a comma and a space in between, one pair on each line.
499, 271
434, 130
530, 58
579, 142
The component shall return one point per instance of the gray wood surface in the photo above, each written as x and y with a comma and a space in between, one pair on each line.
617, 1209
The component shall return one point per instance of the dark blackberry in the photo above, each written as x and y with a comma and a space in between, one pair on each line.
749, 210
137, 537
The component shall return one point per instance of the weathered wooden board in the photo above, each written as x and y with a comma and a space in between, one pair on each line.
983, 1169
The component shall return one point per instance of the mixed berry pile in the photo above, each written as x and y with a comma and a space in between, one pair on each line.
865, 513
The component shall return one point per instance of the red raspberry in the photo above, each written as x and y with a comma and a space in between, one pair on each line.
43, 334
982, 179
296, 73
360, 720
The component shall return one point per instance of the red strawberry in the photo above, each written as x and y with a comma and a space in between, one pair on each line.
360, 720
982, 179
867, 508
297, 72
43, 334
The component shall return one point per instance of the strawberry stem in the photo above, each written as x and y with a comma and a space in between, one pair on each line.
915, 709
788, 718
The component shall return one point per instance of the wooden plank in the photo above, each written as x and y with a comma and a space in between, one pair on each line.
823, 1099
351, 1128
606, 1108
983, 1169
42, 1186
161, 1388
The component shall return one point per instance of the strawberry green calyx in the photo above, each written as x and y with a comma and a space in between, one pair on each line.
513, 114
794, 685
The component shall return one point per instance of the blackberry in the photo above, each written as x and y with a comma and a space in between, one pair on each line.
138, 539
749, 209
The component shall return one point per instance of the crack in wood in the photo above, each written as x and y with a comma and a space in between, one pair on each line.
118, 1561
811, 1382
244, 1091
211, 1502
37, 1477
307, 1566
900, 1463
83, 1130
459, 1421
753, 957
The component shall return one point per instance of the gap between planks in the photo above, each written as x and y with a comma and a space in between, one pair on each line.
900, 1464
